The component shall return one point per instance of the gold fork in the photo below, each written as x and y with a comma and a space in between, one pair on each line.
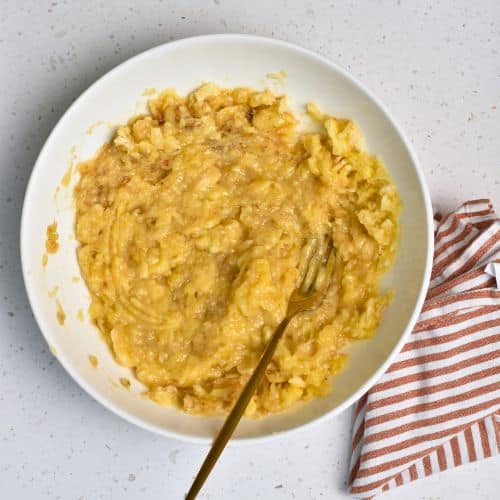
315, 270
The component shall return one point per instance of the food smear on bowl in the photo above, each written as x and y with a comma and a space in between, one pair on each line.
280, 75
79, 315
125, 382
51, 243
66, 178
94, 362
277, 79
65, 181
60, 314
191, 223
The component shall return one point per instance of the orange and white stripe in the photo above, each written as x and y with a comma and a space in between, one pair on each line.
438, 404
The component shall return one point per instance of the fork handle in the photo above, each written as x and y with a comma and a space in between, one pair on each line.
237, 412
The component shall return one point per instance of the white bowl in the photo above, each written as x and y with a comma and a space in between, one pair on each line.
228, 60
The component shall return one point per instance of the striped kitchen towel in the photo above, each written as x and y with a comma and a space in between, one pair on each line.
438, 404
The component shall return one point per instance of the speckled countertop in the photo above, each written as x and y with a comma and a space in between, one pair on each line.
436, 66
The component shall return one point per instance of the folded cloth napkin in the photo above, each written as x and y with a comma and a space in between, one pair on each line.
438, 405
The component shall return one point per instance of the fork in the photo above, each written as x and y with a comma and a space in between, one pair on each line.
315, 270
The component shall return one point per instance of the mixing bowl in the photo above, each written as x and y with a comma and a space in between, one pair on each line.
229, 60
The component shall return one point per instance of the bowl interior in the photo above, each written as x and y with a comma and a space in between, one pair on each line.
228, 60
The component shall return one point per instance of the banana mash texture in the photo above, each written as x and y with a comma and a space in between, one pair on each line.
191, 223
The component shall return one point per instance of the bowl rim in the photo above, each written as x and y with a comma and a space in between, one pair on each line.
115, 408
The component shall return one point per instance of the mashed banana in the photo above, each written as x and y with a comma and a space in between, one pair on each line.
191, 223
